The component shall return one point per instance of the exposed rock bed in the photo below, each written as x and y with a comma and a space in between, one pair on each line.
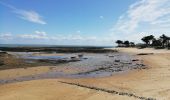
95, 65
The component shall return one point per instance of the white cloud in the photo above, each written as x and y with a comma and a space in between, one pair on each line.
41, 33
150, 16
73, 37
6, 36
35, 35
41, 37
31, 16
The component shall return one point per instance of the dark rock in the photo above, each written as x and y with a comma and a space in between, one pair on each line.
126, 63
135, 60
3, 52
117, 60
85, 58
145, 54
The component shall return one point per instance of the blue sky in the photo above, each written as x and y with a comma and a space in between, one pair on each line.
81, 22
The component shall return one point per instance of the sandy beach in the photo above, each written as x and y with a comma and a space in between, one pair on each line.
146, 84
85, 50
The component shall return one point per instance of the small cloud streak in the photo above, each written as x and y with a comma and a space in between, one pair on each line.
6, 36
31, 16
35, 35
40, 37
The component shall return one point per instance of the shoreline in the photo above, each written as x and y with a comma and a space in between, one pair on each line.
151, 83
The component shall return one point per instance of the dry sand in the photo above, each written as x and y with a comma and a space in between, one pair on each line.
146, 50
152, 82
18, 72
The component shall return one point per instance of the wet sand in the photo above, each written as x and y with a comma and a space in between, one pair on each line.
136, 84
95, 65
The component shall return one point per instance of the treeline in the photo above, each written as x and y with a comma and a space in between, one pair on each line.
125, 43
149, 41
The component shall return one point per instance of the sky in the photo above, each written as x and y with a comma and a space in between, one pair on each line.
82, 22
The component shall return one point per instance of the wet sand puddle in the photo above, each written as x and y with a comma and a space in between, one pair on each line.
94, 65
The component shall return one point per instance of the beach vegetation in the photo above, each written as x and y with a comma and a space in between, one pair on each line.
148, 41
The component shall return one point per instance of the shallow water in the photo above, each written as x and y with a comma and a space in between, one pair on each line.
97, 65
45, 57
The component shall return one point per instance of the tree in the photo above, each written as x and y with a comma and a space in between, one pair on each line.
168, 42
119, 42
132, 44
165, 40
126, 43
148, 39
156, 42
